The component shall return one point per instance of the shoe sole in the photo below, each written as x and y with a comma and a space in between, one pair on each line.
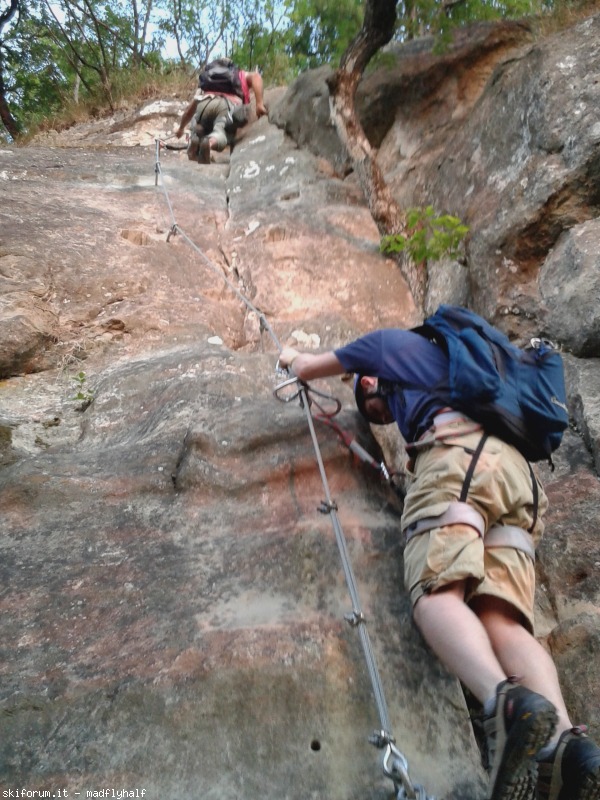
515, 777
589, 789
585, 787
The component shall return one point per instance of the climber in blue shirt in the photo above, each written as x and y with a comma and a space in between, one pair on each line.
473, 515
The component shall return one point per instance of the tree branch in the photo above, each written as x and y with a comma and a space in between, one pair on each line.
6, 16
390, 218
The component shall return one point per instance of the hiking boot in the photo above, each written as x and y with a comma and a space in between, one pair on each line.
204, 154
572, 772
521, 725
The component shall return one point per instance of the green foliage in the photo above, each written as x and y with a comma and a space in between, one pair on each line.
31, 72
430, 237
420, 17
260, 39
66, 51
320, 31
289, 37
83, 394
201, 28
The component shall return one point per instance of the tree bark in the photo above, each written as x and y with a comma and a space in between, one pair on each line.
390, 218
10, 123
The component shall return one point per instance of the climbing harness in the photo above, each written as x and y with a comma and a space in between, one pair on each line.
290, 388
460, 513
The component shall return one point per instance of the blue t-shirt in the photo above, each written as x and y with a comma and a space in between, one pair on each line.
398, 355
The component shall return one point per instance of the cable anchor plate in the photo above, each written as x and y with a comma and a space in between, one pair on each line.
327, 508
354, 619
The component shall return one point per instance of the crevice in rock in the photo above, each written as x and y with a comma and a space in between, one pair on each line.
570, 206
183, 451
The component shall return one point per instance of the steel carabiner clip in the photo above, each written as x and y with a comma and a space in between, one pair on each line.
395, 766
324, 412
282, 392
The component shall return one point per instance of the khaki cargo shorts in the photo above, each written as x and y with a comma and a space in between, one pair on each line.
500, 490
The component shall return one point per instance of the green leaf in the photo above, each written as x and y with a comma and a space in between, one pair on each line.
430, 236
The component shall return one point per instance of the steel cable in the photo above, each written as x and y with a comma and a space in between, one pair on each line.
395, 764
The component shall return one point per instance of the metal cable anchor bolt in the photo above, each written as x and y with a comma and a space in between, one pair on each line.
355, 618
327, 508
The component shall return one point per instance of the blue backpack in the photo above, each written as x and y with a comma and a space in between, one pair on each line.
516, 394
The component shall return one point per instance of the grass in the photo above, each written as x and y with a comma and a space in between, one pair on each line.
128, 90
567, 13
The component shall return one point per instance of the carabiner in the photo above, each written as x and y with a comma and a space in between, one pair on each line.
395, 766
287, 398
314, 393
311, 393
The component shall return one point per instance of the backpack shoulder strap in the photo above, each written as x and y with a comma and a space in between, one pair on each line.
432, 334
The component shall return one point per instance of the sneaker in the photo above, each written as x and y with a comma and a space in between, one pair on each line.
572, 772
521, 725
204, 154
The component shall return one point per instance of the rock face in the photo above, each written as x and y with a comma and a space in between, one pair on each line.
174, 600
570, 288
501, 130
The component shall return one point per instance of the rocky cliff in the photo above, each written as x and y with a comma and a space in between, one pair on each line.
173, 600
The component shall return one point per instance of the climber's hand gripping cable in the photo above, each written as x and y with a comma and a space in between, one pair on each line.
290, 387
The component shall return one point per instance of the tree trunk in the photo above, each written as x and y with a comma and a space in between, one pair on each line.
390, 218
76, 89
9, 122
